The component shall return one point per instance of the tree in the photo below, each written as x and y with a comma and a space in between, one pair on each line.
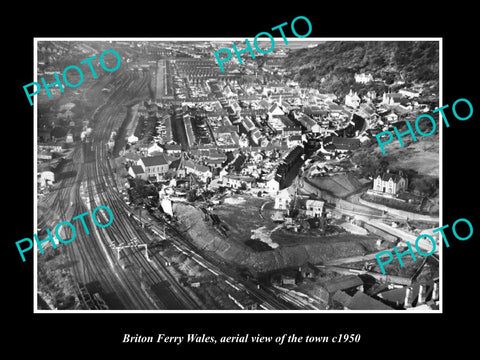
191, 195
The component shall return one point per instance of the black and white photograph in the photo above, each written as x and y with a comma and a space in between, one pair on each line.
225, 179
254, 186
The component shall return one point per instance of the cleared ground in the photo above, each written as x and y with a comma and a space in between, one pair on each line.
241, 217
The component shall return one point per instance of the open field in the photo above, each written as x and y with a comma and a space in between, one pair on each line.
422, 156
339, 185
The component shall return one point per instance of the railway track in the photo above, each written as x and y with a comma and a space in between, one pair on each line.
126, 229
146, 284
101, 186
90, 264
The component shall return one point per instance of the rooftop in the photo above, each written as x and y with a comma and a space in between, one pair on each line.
342, 283
155, 160
361, 301
345, 143
137, 169
386, 176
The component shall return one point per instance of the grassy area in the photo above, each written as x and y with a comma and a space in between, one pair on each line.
339, 185
421, 157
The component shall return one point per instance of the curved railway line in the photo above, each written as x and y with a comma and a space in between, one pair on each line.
94, 255
129, 283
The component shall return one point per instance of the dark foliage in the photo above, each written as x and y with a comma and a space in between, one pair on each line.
337, 62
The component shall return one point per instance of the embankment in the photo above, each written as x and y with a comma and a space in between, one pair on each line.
205, 237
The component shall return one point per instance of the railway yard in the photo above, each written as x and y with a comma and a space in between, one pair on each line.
99, 278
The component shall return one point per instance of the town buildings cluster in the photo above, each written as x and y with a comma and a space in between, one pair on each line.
243, 129
244, 132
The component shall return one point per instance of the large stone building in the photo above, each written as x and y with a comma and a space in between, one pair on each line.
352, 99
314, 208
363, 78
390, 183
154, 166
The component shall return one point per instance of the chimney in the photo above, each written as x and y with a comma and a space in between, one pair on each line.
421, 295
408, 301
435, 291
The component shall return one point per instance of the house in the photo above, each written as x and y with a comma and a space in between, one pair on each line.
132, 157
363, 78
143, 148
366, 110
222, 173
69, 138
315, 112
399, 296
391, 98
215, 163
390, 183
308, 271
154, 148
67, 106
293, 156
46, 178
279, 122
235, 106
314, 208
65, 115
283, 200
344, 283
309, 124
342, 144
359, 301
409, 93
275, 110
225, 130
238, 181
264, 142
273, 184
201, 171
264, 104
294, 140
214, 154
154, 166
53, 147
352, 99
371, 95
44, 155
287, 280
243, 141
111, 143
335, 110
44, 134
172, 148
391, 117
247, 125
132, 139
290, 130
136, 171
